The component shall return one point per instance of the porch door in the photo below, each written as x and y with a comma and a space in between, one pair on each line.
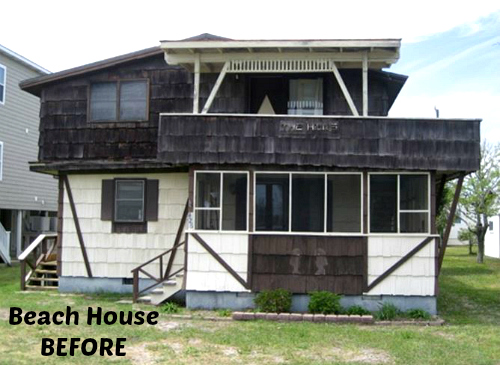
276, 90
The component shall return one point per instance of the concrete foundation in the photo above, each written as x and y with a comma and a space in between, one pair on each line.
69, 284
241, 301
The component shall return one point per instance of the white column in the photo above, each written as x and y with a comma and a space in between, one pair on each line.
365, 84
19, 232
196, 89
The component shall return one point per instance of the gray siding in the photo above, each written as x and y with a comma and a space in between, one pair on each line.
19, 114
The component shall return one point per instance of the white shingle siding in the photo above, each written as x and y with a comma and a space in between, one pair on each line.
114, 255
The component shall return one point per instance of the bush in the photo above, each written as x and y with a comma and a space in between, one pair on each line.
324, 302
357, 310
224, 313
418, 314
387, 313
171, 308
274, 301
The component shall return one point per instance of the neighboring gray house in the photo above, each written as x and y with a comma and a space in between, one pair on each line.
27, 199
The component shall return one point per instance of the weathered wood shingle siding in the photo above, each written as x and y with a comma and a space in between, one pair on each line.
360, 142
66, 133
19, 133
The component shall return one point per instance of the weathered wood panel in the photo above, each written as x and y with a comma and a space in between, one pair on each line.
413, 144
303, 264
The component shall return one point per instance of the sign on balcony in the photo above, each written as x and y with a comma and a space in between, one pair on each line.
314, 127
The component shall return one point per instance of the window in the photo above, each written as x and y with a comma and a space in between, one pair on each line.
306, 96
399, 203
216, 211
119, 101
1, 161
308, 202
3, 83
129, 201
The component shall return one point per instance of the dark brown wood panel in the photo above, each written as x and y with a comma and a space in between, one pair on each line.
303, 264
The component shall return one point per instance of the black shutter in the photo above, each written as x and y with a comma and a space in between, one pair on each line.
152, 200
107, 200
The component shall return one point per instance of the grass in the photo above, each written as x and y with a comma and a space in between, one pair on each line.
469, 302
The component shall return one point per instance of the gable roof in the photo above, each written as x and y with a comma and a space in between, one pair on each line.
23, 60
34, 85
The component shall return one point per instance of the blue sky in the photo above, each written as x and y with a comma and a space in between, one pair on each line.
457, 71
450, 49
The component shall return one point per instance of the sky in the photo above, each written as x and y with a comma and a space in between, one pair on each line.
450, 52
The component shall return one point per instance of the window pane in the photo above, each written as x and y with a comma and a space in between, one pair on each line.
130, 190
2, 76
271, 200
306, 97
414, 223
207, 219
308, 199
234, 209
103, 101
1, 93
208, 190
133, 100
383, 203
129, 210
344, 203
413, 192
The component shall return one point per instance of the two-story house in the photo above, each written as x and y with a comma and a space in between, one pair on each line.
225, 167
27, 199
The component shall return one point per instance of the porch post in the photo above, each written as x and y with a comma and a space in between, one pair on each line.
365, 84
196, 88
19, 232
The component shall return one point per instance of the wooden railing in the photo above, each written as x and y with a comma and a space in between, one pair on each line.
5, 245
37, 252
166, 274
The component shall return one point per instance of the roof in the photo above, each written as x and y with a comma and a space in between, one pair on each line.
23, 60
34, 85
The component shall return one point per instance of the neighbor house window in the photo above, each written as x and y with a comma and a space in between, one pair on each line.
129, 201
3, 83
308, 202
399, 203
1, 161
119, 101
221, 201
306, 96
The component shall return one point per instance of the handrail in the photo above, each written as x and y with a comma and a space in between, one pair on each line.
35, 244
163, 275
5, 245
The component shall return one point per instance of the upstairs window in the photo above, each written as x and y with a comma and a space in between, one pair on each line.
1, 161
119, 101
306, 97
3, 82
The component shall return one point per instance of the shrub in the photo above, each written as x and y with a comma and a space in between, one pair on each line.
224, 313
418, 314
274, 301
324, 302
171, 308
387, 313
357, 310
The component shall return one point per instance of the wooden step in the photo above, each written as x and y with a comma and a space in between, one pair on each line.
37, 287
48, 263
43, 271
45, 279
144, 299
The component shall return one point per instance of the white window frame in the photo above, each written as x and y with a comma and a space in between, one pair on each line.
325, 207
1, 161
399, 211
2, 102
115, 217
221, 201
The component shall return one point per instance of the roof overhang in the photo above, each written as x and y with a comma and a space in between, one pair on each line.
347, 53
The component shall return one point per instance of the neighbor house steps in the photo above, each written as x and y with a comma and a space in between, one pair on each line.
45, 276
165, 291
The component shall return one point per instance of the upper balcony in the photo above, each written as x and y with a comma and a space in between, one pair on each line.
445, 145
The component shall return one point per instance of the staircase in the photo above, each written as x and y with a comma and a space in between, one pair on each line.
39, 257
168, 289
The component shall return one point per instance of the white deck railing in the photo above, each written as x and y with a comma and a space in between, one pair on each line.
5, 245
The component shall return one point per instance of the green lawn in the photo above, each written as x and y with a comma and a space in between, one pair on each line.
469, 302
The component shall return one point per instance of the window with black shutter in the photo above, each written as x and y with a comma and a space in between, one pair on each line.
130, 204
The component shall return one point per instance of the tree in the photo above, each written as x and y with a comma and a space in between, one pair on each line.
481, 195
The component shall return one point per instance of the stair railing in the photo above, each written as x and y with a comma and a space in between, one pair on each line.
5, 245
37, 252
164, 275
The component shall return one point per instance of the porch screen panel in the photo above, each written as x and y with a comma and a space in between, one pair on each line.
271, 202
383, 203
308, 199
234, 202
207, 207
344, 203
414, 203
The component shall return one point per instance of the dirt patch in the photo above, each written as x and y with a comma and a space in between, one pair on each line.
4, 314
140, 355
167, 326
367, 356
